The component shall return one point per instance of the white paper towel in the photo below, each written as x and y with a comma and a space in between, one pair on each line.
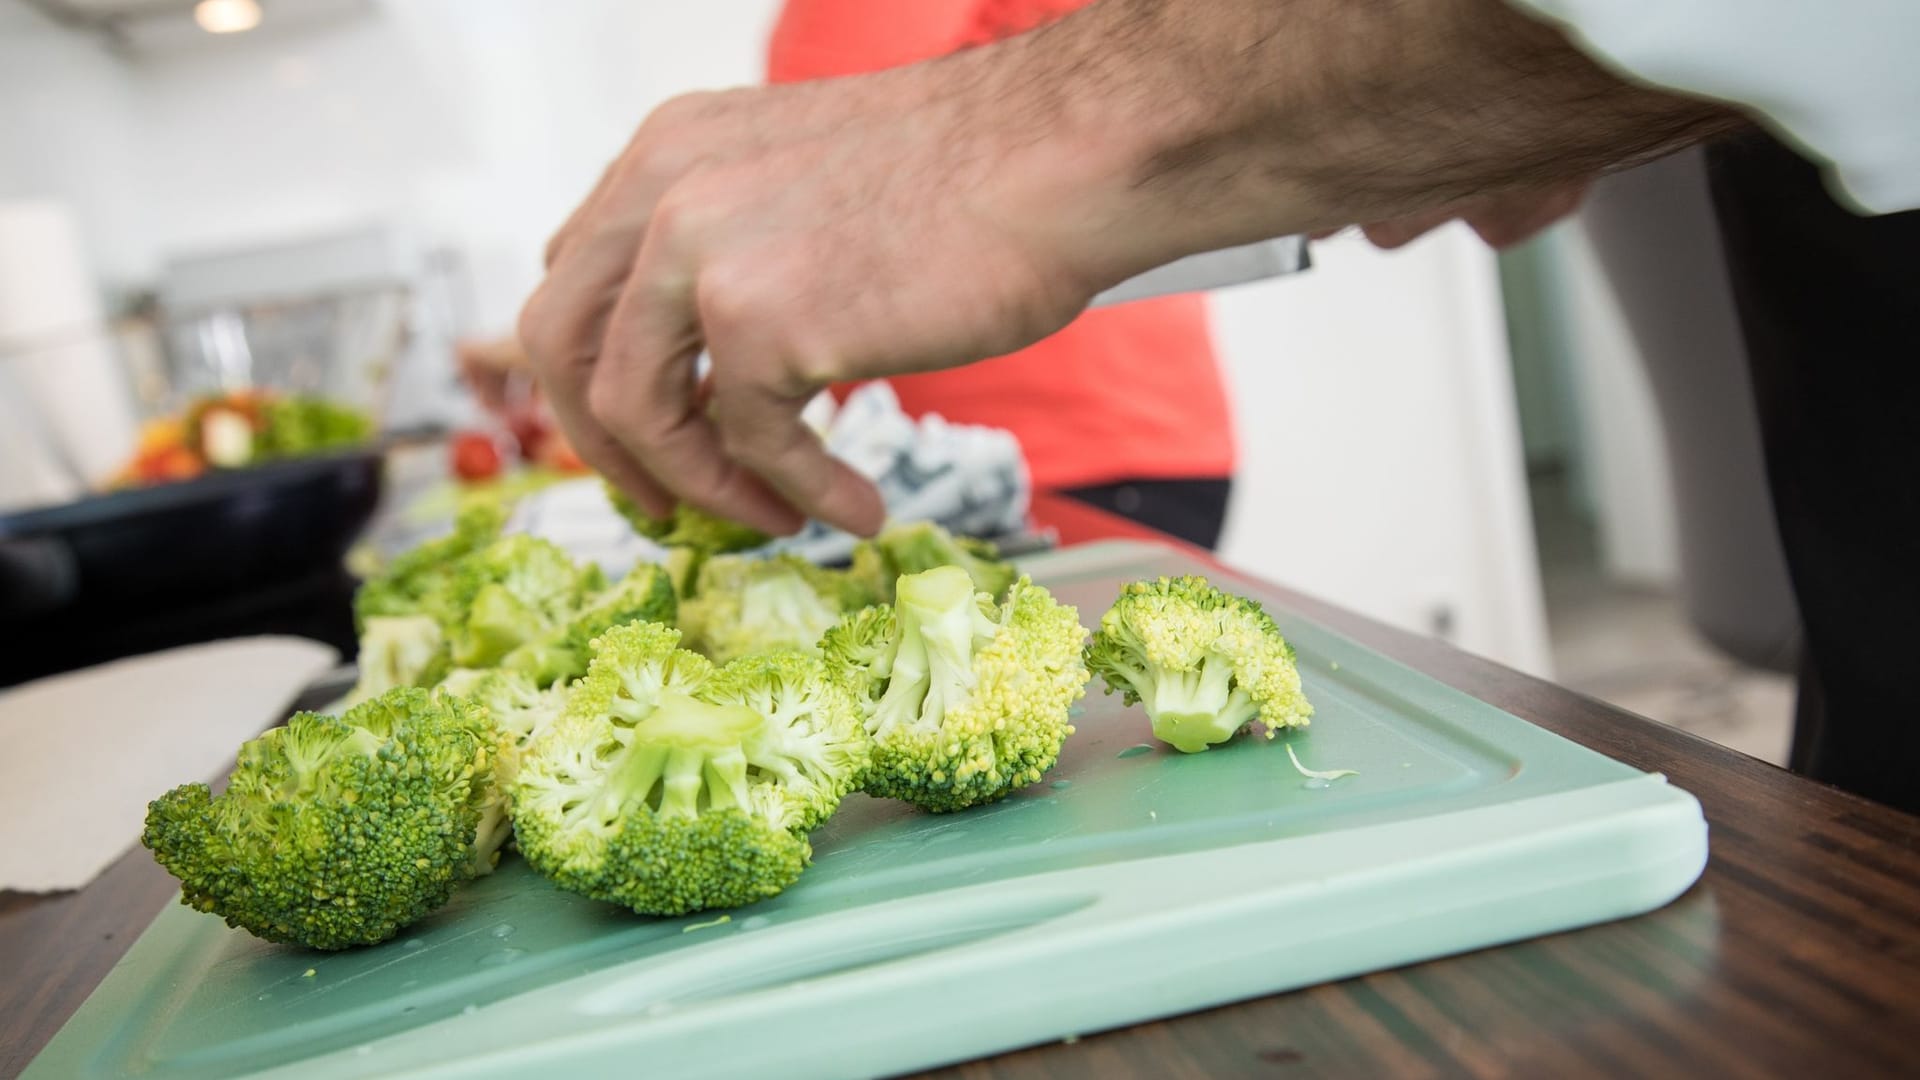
87, 751
57, 346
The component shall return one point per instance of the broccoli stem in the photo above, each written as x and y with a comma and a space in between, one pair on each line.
932, 665
1192, 710
690, 750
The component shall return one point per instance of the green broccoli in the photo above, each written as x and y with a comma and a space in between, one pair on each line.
683, 569
914, 547
670, 788
966, 700
399, 650
338, 831
513, 700
688, 527
1206, 663
812, 741
515, 591
743, 605
417, 581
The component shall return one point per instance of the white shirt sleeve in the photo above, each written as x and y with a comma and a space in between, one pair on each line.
1839, 78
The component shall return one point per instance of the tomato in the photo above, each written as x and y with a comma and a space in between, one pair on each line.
475, 456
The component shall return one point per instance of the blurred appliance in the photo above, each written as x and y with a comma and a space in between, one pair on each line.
365, 316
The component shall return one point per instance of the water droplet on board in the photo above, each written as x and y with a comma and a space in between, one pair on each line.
503, 930
1058, 784
412, 943
470, 1010
1135, 750
1316, 784
501, 956
755, 922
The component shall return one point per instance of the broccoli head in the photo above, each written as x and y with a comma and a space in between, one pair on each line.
513, 700
688, 526
915, 547
337, 831
812, 742
744, 605
669, 787
966, 700
399, 650
1205, 663
417, 582
516, 591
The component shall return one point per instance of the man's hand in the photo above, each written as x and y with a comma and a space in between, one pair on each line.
947, 212
800, 236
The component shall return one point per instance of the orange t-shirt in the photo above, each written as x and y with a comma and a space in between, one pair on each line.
1123, 393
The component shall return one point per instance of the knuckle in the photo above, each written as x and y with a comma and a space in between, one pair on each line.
605, 403
533, 328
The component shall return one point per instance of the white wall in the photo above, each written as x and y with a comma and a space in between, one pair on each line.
67, 131
1382, 454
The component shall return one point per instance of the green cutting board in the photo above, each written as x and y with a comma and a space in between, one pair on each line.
1134, 882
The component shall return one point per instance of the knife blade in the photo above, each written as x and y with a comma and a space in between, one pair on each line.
1213, 270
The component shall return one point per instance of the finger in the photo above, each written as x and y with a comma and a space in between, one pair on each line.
570, 229
1388, 235
763, 430
562, 342
1510, 221
645, 394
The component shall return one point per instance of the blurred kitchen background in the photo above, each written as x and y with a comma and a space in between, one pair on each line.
1459, 443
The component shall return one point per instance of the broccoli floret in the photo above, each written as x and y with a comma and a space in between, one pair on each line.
812, 742
558, 657
513, 701
743, 605
515, 591
1205, 663
417, 582
336, 831
966, 700
665, 786
645, 594
688, 526
923, 545
683, 569
399, 650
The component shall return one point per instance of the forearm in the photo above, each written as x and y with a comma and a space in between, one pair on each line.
1192, 124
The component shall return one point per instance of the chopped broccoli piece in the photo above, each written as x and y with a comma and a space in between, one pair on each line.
923, 545
688, 526
417, 581
812, 741
1205, 663
513, 701
742, 605
683, 569
515, 591
644, 595
966, 700
337, 831
670, 788
398, 650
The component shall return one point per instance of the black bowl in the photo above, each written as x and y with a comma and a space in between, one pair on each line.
135, 555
